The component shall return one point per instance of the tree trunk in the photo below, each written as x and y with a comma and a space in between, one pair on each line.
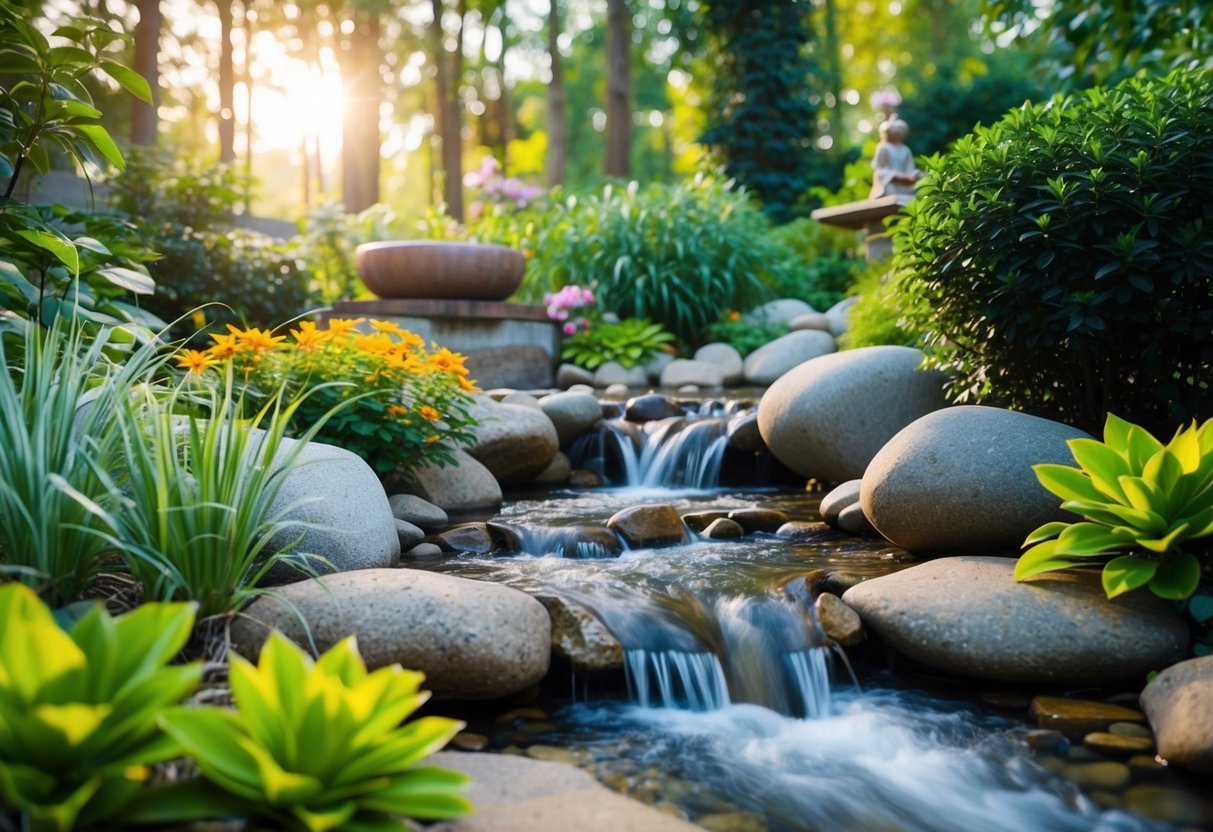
247, 77
227, 84
505, 113
556, 100
449, 68
144, 118
619, 89
360, 59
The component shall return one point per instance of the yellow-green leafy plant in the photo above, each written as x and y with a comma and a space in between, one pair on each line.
78, 708
1143, 503
315, 746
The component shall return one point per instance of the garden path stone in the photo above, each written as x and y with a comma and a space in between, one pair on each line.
419, 512
969, 616
726, 357
568, 375
515, 443
465, 486
644, 526
340, 497
681, 372
777, 311
472, 639
571, 413
1179, 705
770, 361
828, 417
842, 497
961, 480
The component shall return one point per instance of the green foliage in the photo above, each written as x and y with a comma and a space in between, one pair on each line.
763, 115
186, 213
1106, 42
1065, 259
677, 255
318, 746
327, 243
745, 337
888, 310
58, 438
824, 262
78, 709
630, 342
1139, 498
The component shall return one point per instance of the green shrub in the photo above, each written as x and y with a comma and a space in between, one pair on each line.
886, 311
743, 336
328, 240
314, 746
823, 263
78, 709
1141, 501
630, 342
1065, 255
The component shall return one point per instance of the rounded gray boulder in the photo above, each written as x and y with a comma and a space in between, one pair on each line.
770, 361
472, 639
961, 480
969, 616
724, 356
514, 442
828, 417
573, 413
1179, 704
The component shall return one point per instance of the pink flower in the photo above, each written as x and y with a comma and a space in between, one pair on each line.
570, 329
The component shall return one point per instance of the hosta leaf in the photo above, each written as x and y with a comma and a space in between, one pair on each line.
1068, 483
1103, 464
1127, 572
1177, 577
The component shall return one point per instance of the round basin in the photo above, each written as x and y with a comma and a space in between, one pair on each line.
428, 269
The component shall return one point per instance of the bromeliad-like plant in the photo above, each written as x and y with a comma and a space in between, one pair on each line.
78, 709
630, 342
1142, 502
314, 746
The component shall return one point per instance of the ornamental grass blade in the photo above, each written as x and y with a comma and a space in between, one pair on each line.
1126, 573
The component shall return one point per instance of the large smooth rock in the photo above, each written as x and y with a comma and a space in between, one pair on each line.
580, 638
612, 372
828, 417
419, 512
644, 526
770, 361
572, 414
349, 522
724, 356
811, 320
681, 372
515, 443
472, 639
961, 480
651, 407
1179, 704
569, 374
838, 313
968, 616
461, 488
778, 311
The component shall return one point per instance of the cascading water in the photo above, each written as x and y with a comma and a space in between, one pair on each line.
672, 453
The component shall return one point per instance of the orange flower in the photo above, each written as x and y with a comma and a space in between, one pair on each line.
377, 344
386, 327
467, 385
732, 315
257, 340
432, 438
225, 347
448, 362
308, 338
343, 326
410, 340
397, 410
196, 361
429, 414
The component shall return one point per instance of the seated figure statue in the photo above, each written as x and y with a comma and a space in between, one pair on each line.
893, 170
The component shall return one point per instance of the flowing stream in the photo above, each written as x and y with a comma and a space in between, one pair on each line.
732, 695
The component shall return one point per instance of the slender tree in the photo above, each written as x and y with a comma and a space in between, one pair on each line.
227, 85
557, 149
144, 117
360, 56
448, 66
619, 89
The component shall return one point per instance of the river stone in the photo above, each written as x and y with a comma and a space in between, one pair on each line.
1117, 745
422, 551
811, 320
472, 639
778, 311
1178, 806
656, 364
681, 372
722, 528
827, 418
853, 520
463, 487
758, 519
568, 375
515, 443
1112, 776
419, 512
837, 620
969, 616
743, 433
469, 538
698, 521
1179, 704
799, 530
838, 315
408, 535
612, 372
961, 480
579, 637
572, 413
770, 361
580, 478
641, 527
617, 390
651, 407
724, 356
844, 496
519, 398
557, 472
349, 520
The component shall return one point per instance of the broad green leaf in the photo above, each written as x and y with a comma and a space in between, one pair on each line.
1116, 433
33, 650
75, 721
184, 801
1177, 577
1141, 446
210, 735
129, 279
1144, 495
1068, 483
1103, 464
1045, 532
1127, 572
1186, 448
11, 275
1086, 539
60, 247
281, 787
128, 79
101, 139
1164, 544
1163, 469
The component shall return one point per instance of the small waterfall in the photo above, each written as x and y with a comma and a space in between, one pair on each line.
810, 671
672, 453
571, 542
676, 679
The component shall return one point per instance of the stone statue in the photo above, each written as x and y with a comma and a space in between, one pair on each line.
893, 170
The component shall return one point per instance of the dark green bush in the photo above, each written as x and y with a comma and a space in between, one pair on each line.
1066, 256
887, 311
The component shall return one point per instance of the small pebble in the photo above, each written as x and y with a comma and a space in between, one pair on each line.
467, 741
1130, 729
422, 551
1078, 717
1107, 776
723, 529
1118, 745
521, 714
1045, 740
1167, 804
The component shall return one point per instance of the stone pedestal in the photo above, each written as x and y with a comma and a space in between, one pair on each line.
867, 215
507, 344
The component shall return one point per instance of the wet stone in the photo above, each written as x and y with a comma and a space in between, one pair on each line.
468, 741
1117, 745
1006, 700
408, 534
839, 582
1043, 739
698, 521
582, 479
799, 587
520, 714
422, 551
758, 519
1167, 804
1082, 754
798, 530
723, 528
739, 821
837, 620
1130, 729
580, 638
472, 538
651, 407
645, 526
1106, 800
419, 512
1108, 776
1078, 717
1146, 768
552, 754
